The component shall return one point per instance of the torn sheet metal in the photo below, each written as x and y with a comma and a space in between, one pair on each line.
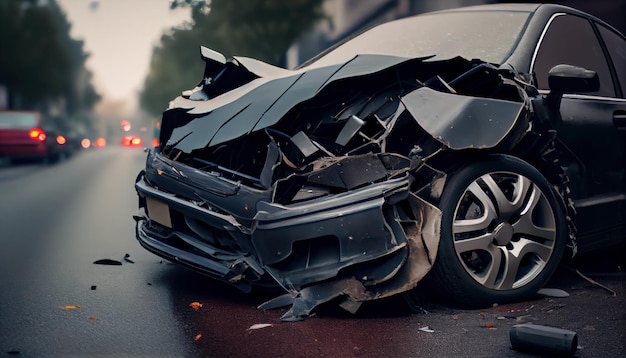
462, 122
264, 101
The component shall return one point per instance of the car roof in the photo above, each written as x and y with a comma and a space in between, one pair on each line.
496, 7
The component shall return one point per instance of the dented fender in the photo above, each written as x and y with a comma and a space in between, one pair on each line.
462, 122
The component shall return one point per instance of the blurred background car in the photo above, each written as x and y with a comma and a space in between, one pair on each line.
132, 141
25, 135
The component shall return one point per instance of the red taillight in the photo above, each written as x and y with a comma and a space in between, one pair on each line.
37, 134
61, 139
101, 142
135, 141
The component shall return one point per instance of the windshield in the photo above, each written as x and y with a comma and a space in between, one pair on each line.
18, 120
486, 35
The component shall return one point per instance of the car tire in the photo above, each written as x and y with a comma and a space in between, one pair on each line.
503, 233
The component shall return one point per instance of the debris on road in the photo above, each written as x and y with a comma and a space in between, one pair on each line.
126, 258
195, 305
553, 292
427, 329
110, 262
259, 326
543, 340
69, 307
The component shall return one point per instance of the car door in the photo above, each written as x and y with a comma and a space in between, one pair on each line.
592, 126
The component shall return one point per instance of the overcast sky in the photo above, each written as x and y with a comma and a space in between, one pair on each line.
120, 35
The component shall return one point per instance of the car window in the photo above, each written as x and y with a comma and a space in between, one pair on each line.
18, 120
571, 40
486, 35
616, 45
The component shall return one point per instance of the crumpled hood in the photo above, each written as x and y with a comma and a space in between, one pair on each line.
263, 101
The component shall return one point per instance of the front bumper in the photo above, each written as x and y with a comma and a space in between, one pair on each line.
361, 236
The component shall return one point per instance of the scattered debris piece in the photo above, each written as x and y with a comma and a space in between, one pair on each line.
126, 258
149, 283
13, 352
259, 326
110, 262
553, 292
427, 329
197, 337
93, 287
93, 318
195, 305
69, 307
596, 283
490, 325
455, 317
544, 340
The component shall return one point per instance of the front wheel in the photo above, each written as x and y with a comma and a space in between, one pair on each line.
503, 233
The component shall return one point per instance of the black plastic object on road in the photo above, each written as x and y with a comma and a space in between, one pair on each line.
543, 340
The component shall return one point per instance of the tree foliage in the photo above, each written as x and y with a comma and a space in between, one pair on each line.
39, 61
261, 29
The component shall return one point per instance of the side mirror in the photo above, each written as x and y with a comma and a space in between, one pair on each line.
572, 79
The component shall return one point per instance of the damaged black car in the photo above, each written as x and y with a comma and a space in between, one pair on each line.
469, 149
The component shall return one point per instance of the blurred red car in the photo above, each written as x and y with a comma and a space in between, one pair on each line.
24, 135
132, 141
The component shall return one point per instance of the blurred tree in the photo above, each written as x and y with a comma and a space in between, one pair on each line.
261, 29
39, 61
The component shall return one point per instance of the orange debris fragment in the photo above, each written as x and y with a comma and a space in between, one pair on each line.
195, 305
69, 307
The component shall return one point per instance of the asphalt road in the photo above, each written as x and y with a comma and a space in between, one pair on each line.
56, 221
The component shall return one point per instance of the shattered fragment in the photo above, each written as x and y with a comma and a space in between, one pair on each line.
553, 292
427, 329
110, 262
195, 305
197, 337
70, 307
259, 326
126, 258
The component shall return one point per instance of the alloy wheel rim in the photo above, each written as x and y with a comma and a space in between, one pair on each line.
504, 230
